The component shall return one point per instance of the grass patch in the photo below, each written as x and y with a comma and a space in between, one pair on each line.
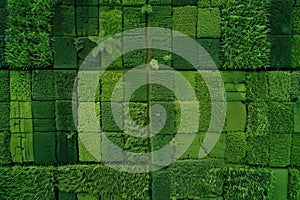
29, 21
64, 82
185, 20
4, 85
280, 145
20, 85
280, 117
65, 53
64, 20
245, 43
43, 85
279, 58
235, 147
208, 23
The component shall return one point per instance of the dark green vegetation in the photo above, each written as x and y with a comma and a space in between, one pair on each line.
256, 46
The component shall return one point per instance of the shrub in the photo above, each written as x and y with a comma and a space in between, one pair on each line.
29, 21
245, 43
295, 149
19, 182
204, 3
134, 2
296, 21
294, 184
244, 183
5, 156
102, 180
257, 119
196, 178
109, 80
257, 86
110, 21
258, 150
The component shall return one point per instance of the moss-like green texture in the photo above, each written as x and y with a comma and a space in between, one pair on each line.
294, 183
279, 85
200, 175
29, 21
5, 155
65, 53
4, 117
110, 21
44, 147
296, 21
245, 27
2, 52
235, 147
236, 116
281, 118
258, 150
185, 2
64, 83
43, 85
109, 81
20, 85
280, 16
108, 120
257, 86
257, 119
16, 184
87, 21
133, 2
64, 116
208, 23
161, 185
280, 147
64, 20
102, 180
281, 184
21, 147
281, 48
296, 51
244, 183
185, 20
295, 149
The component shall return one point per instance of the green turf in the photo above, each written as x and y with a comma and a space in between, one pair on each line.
161, 16
212, 46
296, 112
84, 154
130, 80
296, 21
161, 185
136, 118
185, 20
116, 139
87, 21
133, 18
43, 85
43, 109
44, 125
281, 59
65, 54
192, 153
66, 147
3, 17
86, 196
44, 147
84, 47
29, 22
245, 44
280, 145
235, 147
208, 23
295, 91
133, 2
236, 116
108, 2
66, 196
281, 184
204, 3
64, 83
158, 90
160, 2
64, 21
